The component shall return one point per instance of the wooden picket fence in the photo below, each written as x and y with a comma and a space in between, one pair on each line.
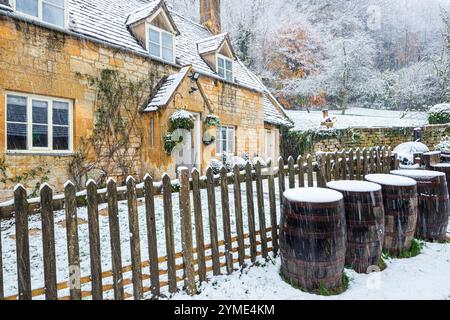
224, 255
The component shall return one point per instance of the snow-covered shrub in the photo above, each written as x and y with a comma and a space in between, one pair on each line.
439, 114
230, 161
405, 151
444, 145
216, 166
260, 160
181, 119
241, 162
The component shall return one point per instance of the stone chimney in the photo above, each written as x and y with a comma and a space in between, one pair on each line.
210, 15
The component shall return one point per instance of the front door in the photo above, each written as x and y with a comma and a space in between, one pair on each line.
189, 153
269, 151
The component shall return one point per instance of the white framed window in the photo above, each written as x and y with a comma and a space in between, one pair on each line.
38, 124
51, 11
225, 68
161, 44
225, 140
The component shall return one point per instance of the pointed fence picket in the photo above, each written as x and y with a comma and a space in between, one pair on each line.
224, 250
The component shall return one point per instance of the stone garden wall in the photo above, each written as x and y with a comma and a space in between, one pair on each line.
301, 142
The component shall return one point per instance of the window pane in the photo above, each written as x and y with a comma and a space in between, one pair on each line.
17, 109
27, 6
61, 113
40, 136
221, 72
224, 140
16, 136
59, 3
229, 65
40, 112
155, 50
218, 140
167, 54
167, 40
60, 138
154, 36
53, 15
229, 76
231, 140
221, 63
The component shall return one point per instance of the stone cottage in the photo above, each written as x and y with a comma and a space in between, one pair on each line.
50, 49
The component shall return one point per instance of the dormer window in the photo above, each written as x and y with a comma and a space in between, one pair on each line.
50, 11
225, 68
153, 27
161, 44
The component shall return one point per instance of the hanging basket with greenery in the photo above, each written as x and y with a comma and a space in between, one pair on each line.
212, 121
170, 143
208, 139
181, 119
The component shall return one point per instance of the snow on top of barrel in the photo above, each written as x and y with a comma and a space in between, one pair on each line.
313, 195
441, 165
432, 153
391, 180
354, 186
418, 174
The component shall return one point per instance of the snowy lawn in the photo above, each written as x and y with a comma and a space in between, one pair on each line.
426, 276
359, 117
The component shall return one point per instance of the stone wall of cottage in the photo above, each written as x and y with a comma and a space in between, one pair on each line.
40, 61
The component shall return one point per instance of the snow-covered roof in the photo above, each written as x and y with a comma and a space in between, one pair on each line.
105, 21
211, 44
166, 91
272, 115
143, 12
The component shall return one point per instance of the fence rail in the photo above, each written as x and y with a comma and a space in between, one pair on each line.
163, 273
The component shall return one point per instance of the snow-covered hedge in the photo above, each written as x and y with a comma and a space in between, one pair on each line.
444, 145
439, 114
230, 161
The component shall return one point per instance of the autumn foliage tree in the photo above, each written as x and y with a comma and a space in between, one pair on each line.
294, 53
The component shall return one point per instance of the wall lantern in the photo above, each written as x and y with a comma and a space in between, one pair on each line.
195, 76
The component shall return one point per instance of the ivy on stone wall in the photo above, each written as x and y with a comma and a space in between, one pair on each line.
296, 142
39, 174
114, 147
396, 132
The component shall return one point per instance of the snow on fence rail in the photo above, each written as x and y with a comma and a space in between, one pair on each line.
190, 264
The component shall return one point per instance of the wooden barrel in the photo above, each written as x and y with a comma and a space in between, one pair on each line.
400, 211
364, 212
313, 238
434, 204
445, 156
444, 168
431, 158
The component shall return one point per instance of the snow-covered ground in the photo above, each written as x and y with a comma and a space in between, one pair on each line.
9, 249
425, 277
359, 117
